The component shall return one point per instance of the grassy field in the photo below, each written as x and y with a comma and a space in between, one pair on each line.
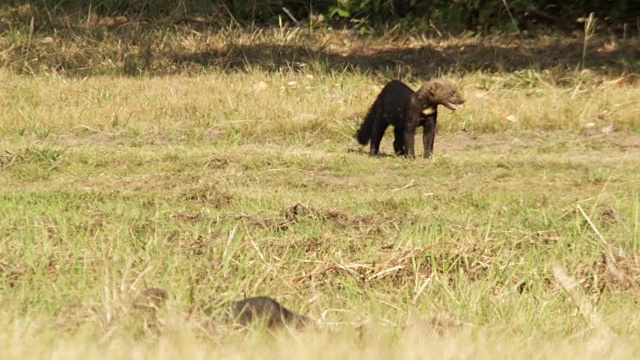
235, 173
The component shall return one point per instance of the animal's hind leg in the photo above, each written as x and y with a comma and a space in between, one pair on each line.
379, 128
398, 141
429, 135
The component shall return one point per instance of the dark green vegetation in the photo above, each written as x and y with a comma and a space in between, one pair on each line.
436, 15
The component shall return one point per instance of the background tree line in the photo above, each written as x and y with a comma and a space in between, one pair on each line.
452, 16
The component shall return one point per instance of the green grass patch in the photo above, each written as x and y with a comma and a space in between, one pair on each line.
219, 184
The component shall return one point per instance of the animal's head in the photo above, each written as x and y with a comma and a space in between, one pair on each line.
443, 93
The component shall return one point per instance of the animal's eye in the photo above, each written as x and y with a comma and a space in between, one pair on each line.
452, 93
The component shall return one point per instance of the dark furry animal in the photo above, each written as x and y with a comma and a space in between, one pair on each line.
404, 108
263, 308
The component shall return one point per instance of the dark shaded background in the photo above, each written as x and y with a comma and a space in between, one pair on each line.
443, 15
78, 37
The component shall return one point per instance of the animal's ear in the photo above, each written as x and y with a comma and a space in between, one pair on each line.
435, 87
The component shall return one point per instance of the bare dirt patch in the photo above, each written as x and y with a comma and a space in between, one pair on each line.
466, 140
99, 139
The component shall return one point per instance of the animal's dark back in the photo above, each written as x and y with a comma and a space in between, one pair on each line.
252, 309
389, 108
395, 96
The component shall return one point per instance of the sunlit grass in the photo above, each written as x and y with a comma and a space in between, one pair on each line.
218, 184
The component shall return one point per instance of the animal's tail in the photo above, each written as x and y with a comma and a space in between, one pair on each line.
363, 135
